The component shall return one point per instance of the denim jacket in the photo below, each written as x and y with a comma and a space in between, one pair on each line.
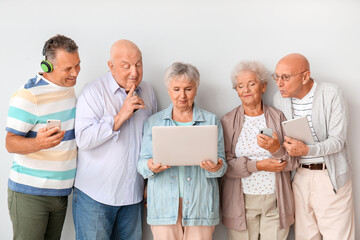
201, 191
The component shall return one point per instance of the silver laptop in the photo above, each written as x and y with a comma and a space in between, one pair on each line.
299, 129
184, 145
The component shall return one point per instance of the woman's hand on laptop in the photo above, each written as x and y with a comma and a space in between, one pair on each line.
210, 166
156, 168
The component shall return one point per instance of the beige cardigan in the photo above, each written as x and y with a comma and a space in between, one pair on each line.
232, 197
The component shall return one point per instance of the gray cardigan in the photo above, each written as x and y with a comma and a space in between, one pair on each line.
330, 121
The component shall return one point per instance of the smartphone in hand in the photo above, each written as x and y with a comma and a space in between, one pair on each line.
51, 123
266, 131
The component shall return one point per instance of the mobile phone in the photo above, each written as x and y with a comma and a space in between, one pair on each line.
51, 123
266, 131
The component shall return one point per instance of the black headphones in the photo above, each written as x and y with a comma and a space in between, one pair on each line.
46, 66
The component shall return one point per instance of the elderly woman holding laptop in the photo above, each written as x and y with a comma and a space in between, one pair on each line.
182, 201
256, 195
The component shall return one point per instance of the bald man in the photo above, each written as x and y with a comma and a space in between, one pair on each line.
108, 191
322, 184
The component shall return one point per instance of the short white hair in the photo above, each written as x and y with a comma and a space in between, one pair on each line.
182, 70
262, 74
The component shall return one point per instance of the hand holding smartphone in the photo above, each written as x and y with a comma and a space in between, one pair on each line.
266, 131
51, 123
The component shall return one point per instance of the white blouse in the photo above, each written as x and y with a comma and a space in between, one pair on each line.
260, 182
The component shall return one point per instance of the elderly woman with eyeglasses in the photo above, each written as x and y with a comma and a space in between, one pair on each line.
182, 202
256, 195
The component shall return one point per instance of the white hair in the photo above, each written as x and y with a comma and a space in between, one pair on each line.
262, 74
182, 70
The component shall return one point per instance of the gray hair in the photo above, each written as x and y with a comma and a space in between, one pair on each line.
182, 70
262, 74
58, 42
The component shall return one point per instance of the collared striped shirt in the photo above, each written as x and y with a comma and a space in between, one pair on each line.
50, 171
301, 108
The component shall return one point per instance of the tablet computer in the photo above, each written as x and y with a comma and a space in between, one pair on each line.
184, 145
299, 129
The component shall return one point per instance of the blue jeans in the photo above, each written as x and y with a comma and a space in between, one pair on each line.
94, 220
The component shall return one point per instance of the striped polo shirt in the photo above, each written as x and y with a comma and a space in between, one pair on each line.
50, 171
301, 108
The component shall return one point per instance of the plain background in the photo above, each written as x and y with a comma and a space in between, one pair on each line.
212, 35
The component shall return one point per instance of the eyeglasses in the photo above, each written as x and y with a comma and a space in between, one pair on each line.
285, 77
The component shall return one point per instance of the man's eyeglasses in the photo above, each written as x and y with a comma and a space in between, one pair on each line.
285, 77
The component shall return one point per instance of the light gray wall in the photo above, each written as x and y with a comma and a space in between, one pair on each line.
212, 35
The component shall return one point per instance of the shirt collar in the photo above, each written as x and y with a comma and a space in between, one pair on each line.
114, 86
308, 95
40, 77
197, 114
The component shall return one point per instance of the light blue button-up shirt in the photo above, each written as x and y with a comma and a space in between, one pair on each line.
201, 191
107, 159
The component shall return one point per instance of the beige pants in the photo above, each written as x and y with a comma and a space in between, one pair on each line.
262, 219
178, 232
318, 210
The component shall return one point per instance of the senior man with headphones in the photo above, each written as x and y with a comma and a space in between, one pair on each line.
44, 165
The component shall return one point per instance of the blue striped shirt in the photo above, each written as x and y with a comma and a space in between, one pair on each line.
48, 172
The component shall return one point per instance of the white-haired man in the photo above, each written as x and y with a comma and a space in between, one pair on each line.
110, 113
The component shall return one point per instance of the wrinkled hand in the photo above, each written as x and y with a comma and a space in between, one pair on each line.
295, 148
131, 104
156, 168
48, 138
270, 165
210, 166
268, 143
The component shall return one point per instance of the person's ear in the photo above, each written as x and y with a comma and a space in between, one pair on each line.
264, 87
306, 77
111, 65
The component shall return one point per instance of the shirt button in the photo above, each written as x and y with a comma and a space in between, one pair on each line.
188, 179
187, 202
